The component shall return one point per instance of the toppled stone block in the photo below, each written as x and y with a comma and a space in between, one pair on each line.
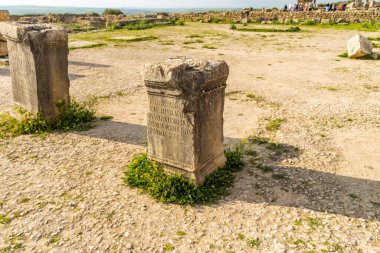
359, 46
38, 65
185, 120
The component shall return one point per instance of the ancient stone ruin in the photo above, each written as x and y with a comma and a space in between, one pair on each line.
39, 66
4, 16
185, 120
359, 46
3, 46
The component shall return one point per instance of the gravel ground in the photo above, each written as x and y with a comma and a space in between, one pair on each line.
314, 187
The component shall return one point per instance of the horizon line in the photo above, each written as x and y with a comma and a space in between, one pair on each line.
120, 7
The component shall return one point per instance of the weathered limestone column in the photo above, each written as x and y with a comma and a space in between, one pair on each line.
39, 66
185, 120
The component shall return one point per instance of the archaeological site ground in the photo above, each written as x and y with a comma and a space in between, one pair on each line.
304, 117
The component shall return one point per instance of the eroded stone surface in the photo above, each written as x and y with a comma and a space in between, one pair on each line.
39, 66
185, 120
4, 15
3, 46
359, 46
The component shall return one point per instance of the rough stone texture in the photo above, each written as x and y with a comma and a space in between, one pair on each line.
39, 66
359, 46
185, 120
4, 15
353, 16
3, 46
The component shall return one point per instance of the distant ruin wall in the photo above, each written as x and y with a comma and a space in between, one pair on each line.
353, 16
4, 15
259, 16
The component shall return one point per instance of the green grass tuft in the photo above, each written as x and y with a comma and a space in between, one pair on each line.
193, 36
253, 97
314, 223
367, 57
89, 46
181, 233
275, 124
209, 47
253, 243
139, 39
105, 117
12, 243
5, 219
252, 29
74, 116
174, 188
168, 247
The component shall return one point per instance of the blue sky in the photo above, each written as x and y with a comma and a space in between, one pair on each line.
152, 3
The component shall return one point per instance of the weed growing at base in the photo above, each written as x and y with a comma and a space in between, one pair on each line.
367, 57
74, 116
174, 188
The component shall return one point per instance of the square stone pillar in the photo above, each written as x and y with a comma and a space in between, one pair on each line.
185, 120
38, 58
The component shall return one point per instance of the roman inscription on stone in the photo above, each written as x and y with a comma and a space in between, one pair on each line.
185, 119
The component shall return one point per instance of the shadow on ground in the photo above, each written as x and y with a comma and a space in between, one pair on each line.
127, 133
265, 180
88, 64
73, 77
5, 72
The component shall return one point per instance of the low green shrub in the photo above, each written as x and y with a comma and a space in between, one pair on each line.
74, 116
233, 27
109, 11
215, 20
140, 26
374, 38
372, 26
180, 22
174, 188
309, 22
